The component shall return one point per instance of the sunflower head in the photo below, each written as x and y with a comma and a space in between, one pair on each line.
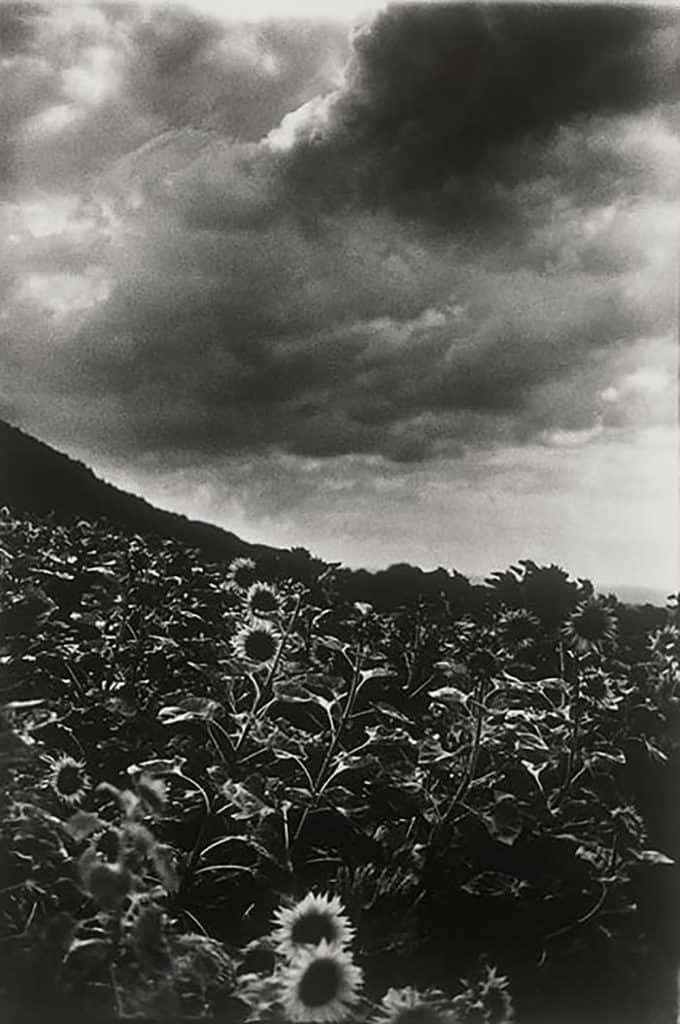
313, 920
262, 600
259, 957
257, 643
665, 643
589, 626
109, 844
320, 985
408, 1006
518, 628
146, 935
108, 884
495, 997
242, 573
68, 780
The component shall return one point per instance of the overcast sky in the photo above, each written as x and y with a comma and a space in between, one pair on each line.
395, 288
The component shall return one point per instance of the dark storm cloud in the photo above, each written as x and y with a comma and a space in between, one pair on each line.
440, 96
254, 368
451, 109
453, 249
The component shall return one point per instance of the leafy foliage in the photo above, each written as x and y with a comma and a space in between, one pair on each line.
465, 776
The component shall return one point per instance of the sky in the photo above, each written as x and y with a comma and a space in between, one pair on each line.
393, 283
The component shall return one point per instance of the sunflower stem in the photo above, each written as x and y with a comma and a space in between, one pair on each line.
195, 852
346, 713
423, 686
575, 714
192, 917
469, 773
80, 688
269, 681
333, 745
118, 1005
107, 682
116, 937
286, 834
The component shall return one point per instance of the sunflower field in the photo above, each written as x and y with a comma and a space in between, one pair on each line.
238, 798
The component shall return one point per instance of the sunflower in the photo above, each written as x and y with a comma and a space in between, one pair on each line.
262, 599
257, 643
519, 628
68, 779
242, 573
408, 1006
108, 844
108, 884
495, 996
320, 986
665, 643
311, 921
589, 626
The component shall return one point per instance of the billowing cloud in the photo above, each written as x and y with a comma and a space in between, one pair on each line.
447, 238
89, 83
450, 109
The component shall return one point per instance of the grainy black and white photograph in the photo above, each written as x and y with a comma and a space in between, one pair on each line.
339, 515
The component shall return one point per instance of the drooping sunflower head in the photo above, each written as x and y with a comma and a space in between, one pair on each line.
320, 985
665, 643
257, 643
589, 626
313, 920
69, 780
262, 600
408, 1006
242, 573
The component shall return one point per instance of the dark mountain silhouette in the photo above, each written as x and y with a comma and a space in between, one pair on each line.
37, 479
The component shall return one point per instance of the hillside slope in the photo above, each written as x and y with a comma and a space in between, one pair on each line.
36, 478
